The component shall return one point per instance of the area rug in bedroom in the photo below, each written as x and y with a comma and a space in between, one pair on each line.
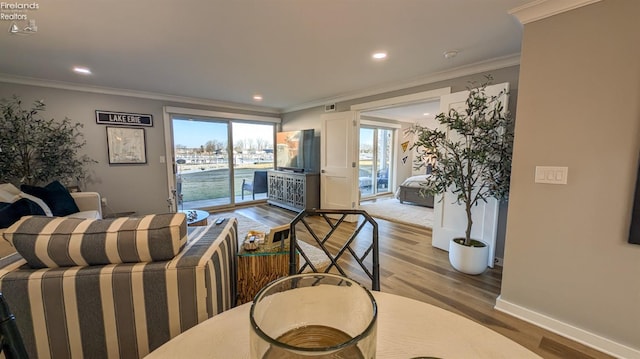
392, 210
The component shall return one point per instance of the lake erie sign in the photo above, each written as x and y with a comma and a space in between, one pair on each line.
122, 118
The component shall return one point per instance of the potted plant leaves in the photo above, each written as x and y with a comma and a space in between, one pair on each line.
471, 155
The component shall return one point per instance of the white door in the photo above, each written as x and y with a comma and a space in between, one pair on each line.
450, 219
338, 160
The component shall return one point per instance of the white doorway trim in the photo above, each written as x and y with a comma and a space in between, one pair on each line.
424, 96
402, 100
218, 114
363, 121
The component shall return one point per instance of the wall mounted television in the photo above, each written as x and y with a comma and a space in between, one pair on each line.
295, 150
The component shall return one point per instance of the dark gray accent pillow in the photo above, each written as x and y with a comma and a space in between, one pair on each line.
56, 196
12, 212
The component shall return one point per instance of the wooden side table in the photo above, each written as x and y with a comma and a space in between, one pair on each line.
259, 267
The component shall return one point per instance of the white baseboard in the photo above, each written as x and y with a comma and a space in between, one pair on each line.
566, 330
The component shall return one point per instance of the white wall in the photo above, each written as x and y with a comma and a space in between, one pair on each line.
567, 261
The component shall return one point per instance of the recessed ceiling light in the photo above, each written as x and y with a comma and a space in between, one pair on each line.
82, 70
379, 55
257, 97
426, 114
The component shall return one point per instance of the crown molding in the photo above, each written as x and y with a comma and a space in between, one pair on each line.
541, 9
132, 93
483, 66
488, 65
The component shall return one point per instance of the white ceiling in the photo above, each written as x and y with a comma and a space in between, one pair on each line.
295, 53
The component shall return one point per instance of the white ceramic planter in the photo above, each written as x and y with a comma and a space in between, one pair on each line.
469, 260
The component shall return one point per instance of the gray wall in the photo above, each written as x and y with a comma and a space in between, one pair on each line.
567, 255
141, 188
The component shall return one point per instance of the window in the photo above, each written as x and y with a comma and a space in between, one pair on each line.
375, 160
216, 157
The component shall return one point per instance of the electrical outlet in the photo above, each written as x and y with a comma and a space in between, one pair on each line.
104, 201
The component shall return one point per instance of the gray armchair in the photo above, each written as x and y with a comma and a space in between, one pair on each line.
258, 185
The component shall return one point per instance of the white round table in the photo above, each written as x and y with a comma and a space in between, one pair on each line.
406, 328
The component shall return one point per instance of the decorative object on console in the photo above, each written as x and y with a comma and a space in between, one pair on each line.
35, 150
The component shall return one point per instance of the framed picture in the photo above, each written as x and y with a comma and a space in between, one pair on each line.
126, 145
278, 234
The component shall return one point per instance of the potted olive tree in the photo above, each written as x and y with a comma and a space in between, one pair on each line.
34, 150
471, 156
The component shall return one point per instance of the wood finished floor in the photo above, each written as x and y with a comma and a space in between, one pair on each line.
412, 268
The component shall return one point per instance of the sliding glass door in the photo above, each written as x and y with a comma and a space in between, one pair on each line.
211, 173
253, 156
376, 153
202, 163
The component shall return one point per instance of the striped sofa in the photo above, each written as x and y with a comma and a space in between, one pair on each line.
123, 309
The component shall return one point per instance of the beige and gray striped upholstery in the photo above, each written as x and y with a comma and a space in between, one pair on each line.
122, 310
49, 242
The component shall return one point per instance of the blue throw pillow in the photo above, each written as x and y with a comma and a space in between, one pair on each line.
12, 212
56, 196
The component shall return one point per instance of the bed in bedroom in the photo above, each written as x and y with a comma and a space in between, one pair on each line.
409, 191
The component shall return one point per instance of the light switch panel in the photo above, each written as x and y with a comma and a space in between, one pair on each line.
551, 175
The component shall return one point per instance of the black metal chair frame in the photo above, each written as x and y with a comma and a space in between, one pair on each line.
334, 223
11, 343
